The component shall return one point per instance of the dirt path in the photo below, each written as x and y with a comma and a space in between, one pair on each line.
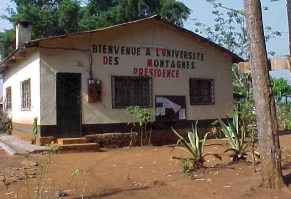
142, 172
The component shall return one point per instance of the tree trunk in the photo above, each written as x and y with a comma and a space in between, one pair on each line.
289, 23
269, 145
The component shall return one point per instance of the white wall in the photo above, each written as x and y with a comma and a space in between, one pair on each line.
53, 61
23, 69
216, 65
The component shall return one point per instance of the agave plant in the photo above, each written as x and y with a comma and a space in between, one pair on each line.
194, 147
236, 135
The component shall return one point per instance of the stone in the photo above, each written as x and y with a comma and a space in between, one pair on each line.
60, 193
28, 164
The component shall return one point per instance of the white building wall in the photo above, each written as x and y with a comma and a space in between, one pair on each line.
216, 65
150, 34
26, 68
60, 60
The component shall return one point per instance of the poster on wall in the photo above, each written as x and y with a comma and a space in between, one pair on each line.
170, 108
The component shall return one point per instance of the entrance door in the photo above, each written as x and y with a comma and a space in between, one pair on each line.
68, 91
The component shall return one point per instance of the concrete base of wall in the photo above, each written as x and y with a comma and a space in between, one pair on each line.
160, 134
42, 141
22, 135
156, 138
115, 140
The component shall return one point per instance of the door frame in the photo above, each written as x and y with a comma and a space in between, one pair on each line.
77, 80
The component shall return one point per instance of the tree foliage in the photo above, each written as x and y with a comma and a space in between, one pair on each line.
229, 29
56, 17
281, 89
7, 42
67, 16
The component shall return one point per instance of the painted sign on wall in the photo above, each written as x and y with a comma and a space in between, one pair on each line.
156, 62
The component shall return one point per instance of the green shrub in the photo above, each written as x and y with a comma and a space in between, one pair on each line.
143, 116
284, 115
34, 130
7, 125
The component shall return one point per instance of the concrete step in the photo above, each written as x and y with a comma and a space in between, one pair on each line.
84, 147
13, 145
65, 141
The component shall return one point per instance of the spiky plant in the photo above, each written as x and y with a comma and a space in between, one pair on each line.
236, 135
195, 147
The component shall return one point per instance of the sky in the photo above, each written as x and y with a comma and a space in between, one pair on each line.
275, 16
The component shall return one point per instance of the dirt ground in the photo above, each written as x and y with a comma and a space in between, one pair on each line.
138, 172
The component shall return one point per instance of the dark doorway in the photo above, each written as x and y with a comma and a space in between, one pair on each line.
68, 91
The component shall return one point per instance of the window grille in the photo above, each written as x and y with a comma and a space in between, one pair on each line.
25, 95
131, 91
8, 100
201, 91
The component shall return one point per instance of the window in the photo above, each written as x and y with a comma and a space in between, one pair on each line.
131, 91
201, 91
25, 95
8, 100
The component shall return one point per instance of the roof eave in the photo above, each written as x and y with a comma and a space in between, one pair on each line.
12, 58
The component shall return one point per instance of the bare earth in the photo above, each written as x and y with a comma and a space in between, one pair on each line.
138, 172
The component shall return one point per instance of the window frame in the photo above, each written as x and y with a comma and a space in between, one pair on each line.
210, 95
25, 88
115, 104
8, 100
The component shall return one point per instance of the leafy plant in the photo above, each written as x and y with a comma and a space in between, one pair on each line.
195, 148
236, 135
34, 130
244, 104
281, 89
284, 115
7, 125
44, 170
187, 166
76, 172
130, 110
143, 117
229, 30
54, 148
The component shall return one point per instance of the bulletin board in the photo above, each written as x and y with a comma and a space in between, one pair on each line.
170, 108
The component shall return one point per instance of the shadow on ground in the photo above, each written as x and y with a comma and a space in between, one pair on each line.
112, 192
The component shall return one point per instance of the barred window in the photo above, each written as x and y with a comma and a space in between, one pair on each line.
131, 91
25, 95
201, 91
8, 100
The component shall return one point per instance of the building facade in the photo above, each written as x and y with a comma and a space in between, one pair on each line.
82, 83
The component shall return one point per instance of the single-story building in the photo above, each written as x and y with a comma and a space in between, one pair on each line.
81, 83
